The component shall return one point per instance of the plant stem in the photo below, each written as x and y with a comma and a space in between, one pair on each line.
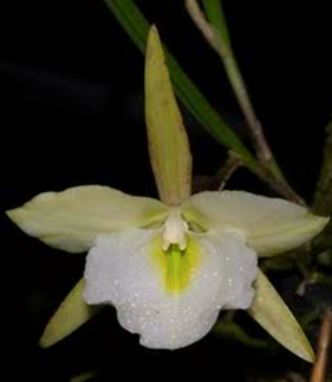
224, 50
319, 370
278, 184
232, 163
221, 177
216, 34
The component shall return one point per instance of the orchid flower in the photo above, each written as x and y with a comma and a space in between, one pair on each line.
168, 266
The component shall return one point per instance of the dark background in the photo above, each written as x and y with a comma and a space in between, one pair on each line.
72, 113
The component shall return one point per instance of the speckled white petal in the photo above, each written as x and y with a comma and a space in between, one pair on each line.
71, 219
121, 270
271, 225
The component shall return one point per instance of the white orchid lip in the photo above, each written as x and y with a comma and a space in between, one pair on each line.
170, 298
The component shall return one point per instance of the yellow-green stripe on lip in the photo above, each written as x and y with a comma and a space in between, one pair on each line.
176, 267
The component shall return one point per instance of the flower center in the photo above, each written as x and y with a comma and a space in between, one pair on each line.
175, 230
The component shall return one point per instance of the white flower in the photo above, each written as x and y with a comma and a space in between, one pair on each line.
167, 270
169, 266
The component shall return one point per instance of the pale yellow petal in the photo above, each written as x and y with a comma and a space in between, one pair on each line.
71, 314
270, 311
168, 143
271, 225
71, 219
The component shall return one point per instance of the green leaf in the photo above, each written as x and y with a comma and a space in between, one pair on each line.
137, 27
215, 14
270, 311
71, 314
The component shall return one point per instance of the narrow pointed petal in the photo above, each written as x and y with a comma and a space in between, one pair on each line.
71, 219
271, 225
71, 314
270, 311
169, 302
168, 143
